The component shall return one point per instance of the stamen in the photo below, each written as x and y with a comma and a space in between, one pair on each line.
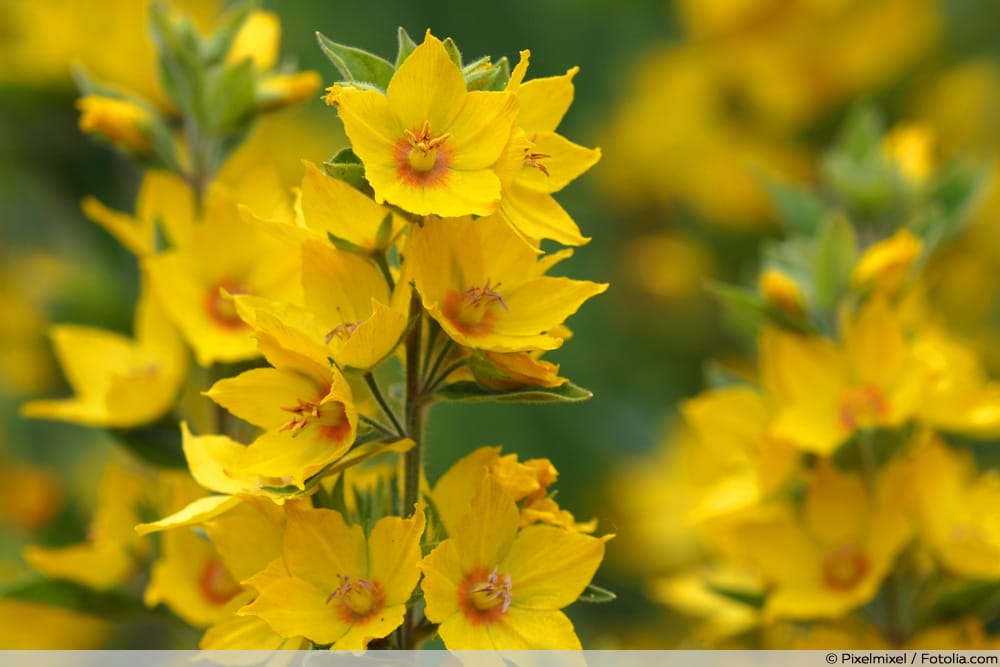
475, 296
303, 411
425, 142
342, 331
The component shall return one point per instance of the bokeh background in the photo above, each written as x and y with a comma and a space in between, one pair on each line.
693, 103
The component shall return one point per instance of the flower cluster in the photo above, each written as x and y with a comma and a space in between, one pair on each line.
833, 491
323, 324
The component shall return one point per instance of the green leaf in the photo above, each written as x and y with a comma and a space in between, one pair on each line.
70, 595
345, 245
835, 254
744, 311
230, 95
472, 392
799, 211
346, 166
159, 444
406, 46
755, 600
452, 49
958, 599
357, 65
383, 235
596, 595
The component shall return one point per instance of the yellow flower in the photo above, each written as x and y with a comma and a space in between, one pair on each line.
112, 550
123, 123
910, 147
525, 482
119, 382
696, 593
222, 256
832, 556
731, 425
782, 292
486, 287
309, 419
31, 626
165, 199
256, 40
956, 510
538, 161
491, 586
427, 144
825, 392
514, 370
334, 586
344, 316
282, 90
886, 264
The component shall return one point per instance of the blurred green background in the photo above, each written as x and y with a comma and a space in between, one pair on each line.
690, 103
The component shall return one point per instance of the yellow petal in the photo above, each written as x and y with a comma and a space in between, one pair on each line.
260, 395
533, 629
393, 554
453, 493
319, 546
294, 607
442, 570
550, 567
209, 457
199, 511
428, 86
545, 101
485, 534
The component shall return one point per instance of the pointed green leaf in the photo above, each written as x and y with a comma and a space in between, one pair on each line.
493, 78
453, 52
406, 46
357, 65
835, 255
596, 595
472, 392
744, 311
70, 595
755, 600
227, 27
799, 211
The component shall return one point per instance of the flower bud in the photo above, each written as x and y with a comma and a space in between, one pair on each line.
123, 123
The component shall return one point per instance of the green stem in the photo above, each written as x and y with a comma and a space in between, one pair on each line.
383, 265
382, 403
430, 376
433, 384
412, 462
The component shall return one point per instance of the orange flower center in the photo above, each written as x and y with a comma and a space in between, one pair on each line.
216, 584
474, 310
844, 568
484, 596
862, 407
329, 417
421, 158
357, 599
220, 307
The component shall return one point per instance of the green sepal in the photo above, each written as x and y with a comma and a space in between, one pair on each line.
383, 235
755, 600
833, 260
158, 444
596, 595
493, 78
345, 245
452, 49
71, 595
956, 193
347, 167
958, 599
406, 45
718, 376
799, 211
472, 392
230, 101
744, 311
356, 64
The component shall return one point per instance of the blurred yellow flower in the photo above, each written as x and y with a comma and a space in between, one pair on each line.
122, 122
886, 264
119, 382
782, 292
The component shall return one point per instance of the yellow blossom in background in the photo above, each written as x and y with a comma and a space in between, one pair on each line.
113, 550
824, 392
831, 556
122, 122
119, 382
782, 292
427, 144
910, 146
31, 626
333, 585
956, 510
886, 264
221, 257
